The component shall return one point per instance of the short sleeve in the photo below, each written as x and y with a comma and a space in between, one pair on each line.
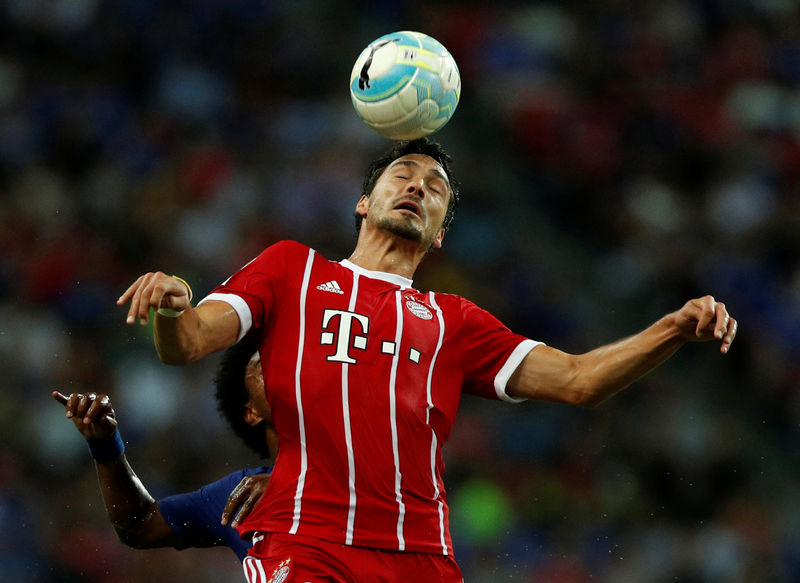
490, 353
251, 291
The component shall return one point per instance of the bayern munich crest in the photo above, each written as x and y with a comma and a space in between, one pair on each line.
419, 310
281, 573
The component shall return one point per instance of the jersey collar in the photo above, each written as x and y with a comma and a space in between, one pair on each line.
398, 280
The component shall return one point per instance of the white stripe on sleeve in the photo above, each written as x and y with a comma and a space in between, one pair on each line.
239, 306
513, 361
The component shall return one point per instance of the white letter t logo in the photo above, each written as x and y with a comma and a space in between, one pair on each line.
343, 334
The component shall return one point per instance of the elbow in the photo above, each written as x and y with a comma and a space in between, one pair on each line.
594, 394
587, 386
590, 399
175, 359
131, 538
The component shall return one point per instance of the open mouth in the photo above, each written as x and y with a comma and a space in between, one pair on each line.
409, 205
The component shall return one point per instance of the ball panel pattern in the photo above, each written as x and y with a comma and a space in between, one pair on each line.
405, 85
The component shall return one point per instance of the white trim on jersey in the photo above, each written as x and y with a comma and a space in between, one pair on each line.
513, 361
301, 479
254, 570
398, 476
348, 436
398, 280
434, 440
239, 306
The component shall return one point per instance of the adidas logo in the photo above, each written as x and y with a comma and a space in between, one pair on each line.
331, 286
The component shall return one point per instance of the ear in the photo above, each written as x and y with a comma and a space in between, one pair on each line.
437, 241
362, 206
251, 417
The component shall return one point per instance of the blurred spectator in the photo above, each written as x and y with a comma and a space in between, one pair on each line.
615, 158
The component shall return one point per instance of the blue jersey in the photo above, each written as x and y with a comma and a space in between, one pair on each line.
195, 517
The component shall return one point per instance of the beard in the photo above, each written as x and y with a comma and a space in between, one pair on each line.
405, 229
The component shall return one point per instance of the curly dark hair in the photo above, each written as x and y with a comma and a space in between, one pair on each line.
424, 146
231, 395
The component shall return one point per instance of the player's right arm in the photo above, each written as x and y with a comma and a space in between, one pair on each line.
183, 333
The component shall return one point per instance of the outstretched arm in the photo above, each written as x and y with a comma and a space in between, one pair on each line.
133, 512
588, 379
183, 333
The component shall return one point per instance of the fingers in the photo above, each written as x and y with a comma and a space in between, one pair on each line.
244, 498
725, 327
88, 409
234, 500
70, 403
244, 509
148, 291
99, 407
713, 321
142, 298
60, 398
707, 313
727, 340
722, 320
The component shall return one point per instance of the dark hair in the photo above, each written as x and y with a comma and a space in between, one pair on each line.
232, 396
422, 146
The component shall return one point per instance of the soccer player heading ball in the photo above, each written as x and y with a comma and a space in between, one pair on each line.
365, 373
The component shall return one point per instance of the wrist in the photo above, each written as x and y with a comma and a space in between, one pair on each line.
672, 330
107, 449
188, 287
172, 312
169, 312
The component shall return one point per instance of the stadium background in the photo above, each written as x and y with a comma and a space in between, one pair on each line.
617, 158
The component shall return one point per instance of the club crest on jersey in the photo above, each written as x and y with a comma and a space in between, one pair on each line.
281, 572
419, 310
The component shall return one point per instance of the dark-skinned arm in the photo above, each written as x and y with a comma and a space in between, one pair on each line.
133, 512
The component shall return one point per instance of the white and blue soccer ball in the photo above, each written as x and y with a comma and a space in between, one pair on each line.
405, 85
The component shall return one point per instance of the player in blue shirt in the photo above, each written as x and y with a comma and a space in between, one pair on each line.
206, 517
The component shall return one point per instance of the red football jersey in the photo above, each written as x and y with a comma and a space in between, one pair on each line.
364, 375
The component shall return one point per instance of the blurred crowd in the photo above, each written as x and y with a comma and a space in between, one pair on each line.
617, 158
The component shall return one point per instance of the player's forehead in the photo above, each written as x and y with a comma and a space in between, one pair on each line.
420, 162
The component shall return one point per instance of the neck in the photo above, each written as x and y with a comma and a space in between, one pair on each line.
387, 254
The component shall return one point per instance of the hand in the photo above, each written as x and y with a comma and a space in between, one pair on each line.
704, 319
91, 413
244, 498
154, 290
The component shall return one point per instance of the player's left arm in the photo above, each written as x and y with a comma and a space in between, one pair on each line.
590, 378
131, 509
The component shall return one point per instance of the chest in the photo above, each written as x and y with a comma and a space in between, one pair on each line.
352, 335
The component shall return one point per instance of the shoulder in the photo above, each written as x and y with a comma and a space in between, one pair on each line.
289, 246
286, 248
278, 254
453, 303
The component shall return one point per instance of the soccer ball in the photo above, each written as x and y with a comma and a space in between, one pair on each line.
405, 85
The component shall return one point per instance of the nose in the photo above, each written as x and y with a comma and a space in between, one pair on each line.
417, 187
